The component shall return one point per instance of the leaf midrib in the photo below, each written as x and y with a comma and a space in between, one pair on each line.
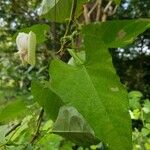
96, 93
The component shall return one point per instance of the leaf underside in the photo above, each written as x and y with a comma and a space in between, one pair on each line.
71, 125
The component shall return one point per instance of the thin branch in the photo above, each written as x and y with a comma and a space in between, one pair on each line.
13, 128
107, 6
12, 135
114, 10
98, 10
72, 15
105, 11
104, 17
85, 13
39, 121
93, 8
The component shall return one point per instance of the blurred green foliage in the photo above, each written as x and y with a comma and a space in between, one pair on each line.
140, 114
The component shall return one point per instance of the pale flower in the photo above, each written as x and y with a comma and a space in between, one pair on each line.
26, 44
22, 41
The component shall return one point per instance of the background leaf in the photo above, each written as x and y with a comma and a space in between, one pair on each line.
62, 9
12, 110
3, 131
39, 29
46, 98
118, 33
134, 99
117, 1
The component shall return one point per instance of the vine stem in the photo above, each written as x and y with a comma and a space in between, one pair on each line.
72, 15
13, 128
105, 11
107, 6
93, 8
39, 121
98, 9
85, 13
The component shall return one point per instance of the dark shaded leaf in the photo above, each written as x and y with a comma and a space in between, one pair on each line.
46, 98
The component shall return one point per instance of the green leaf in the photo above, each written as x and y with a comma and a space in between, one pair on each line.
39, 29
146, 107
96, 92
146, 117
134, 103
147, 146
118, 33
23, 133
60, 11
146, 130
49, 142
46, 98
74, 127
12, 110
117, 1
3, 131
77, 58
93, 88
134, 99
135, 114
135, 94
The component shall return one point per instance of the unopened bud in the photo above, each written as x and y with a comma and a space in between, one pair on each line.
26, 44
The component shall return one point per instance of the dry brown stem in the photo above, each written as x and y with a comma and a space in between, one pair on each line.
85, 13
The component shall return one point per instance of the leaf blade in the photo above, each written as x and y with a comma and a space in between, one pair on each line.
94, 88
56, 12
46, 98
12, 110
118, 33
93, 109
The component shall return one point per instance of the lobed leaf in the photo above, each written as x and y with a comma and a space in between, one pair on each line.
97, 94
93, 88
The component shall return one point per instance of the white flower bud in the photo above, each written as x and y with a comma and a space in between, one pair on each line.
22, 41
26, 44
